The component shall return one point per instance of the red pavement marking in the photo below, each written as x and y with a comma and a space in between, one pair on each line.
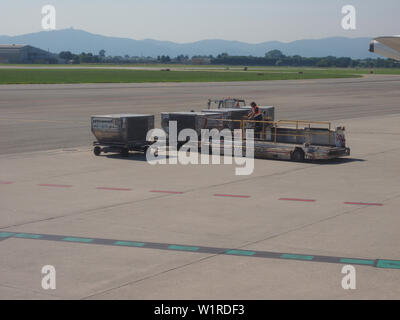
6, 182
231, 195
114, 189
364, 204
55, 185
294, 199
171, 192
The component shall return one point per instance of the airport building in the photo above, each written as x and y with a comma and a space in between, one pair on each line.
25, 54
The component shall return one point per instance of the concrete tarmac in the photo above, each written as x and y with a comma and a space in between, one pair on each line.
120, 228
44, 117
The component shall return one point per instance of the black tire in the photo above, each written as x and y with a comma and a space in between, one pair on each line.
124, 152
97, 151
298, 155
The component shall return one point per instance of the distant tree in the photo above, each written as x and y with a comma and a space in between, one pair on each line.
323, 63
343, 62
76, 59
102, 53
88, 58
223, 56
165, 59
181, 58
275, 54
67, 55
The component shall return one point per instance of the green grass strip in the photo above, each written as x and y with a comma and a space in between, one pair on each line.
49, 76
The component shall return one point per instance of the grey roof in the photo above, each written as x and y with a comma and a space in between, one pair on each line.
12, 46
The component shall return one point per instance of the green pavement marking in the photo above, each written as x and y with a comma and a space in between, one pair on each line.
379, 263
184, 248
73, 239
296, 257
358, 261
27, 236
388, 264
129, 243
6, 234
241, 252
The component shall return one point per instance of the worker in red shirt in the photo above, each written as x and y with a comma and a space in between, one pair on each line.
256, 115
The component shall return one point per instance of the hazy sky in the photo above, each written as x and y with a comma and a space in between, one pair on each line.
189, 20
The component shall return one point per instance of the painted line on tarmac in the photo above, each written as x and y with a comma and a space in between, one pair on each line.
296, 199
55, 185
375, 263
179, 192
5, 235
166, 191
231, 195
364, 204
113, 189
41, 120
75, 239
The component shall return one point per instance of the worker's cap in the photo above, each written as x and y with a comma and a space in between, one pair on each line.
253, 104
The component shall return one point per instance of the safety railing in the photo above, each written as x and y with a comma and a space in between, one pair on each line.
273, 129
294, 128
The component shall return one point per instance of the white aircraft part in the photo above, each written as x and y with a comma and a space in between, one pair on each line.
386, 46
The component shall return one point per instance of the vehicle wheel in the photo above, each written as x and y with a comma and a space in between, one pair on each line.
97, 151
124, 152
298, 155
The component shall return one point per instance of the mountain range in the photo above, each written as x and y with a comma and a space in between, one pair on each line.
78, 41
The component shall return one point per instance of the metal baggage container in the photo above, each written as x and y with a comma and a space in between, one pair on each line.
121, 128
230, 114
190, 120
